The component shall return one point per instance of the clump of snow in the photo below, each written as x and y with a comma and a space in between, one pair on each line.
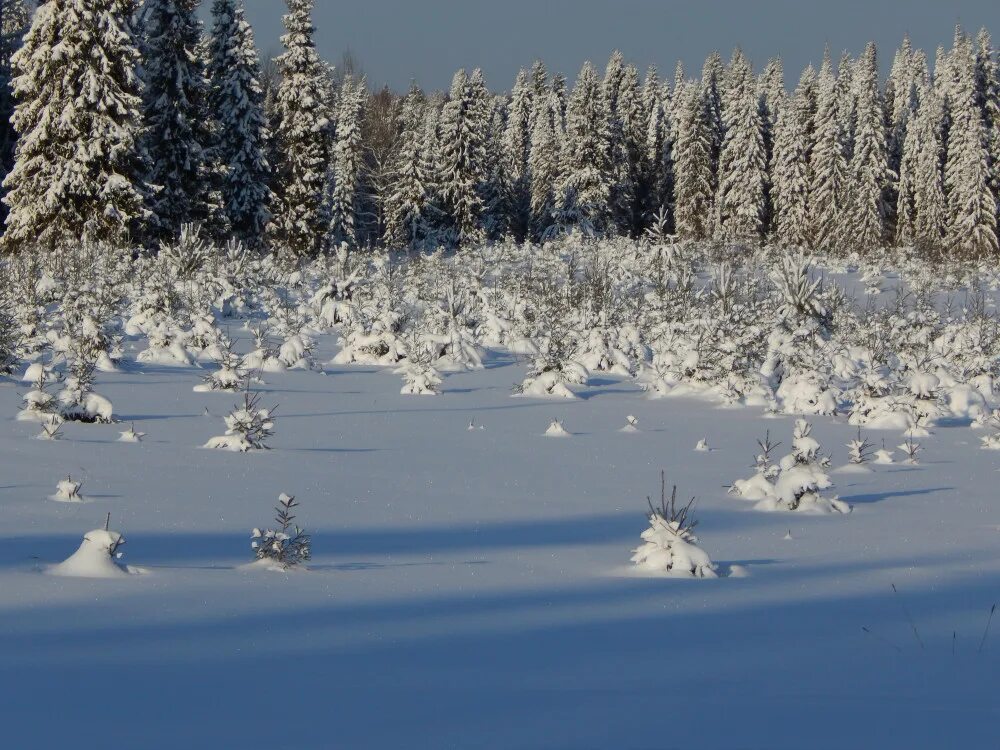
130, 435
68, 491
97, 557
631, 424
556, 429
702, 446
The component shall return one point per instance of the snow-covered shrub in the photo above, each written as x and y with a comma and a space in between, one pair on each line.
98, 556
68, 491
50, 429
248, 427
39, 405
802, 478
420, 378
761, 484
556, 429
77, 400
669, 545
288, 545
230, 374
130, 435
860, 450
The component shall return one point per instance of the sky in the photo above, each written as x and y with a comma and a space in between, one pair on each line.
397, 41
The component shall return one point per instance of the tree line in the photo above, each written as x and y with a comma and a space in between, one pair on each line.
125, 122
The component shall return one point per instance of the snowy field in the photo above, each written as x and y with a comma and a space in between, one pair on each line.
472, 588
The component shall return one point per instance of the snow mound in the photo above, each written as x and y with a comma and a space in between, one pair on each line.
94, 558
556, 429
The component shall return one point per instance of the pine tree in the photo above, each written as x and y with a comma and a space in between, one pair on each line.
988, 88
972, 207
78, 168
587, 175
900, 100
712, 84
493, 188
846, 101
742, 161
14, 21
180, 130
516, 151
301, 139
657, 172
791, 175
348, 159
627, 132
865, 210
406, 202
828, 164
237, 99
693, 166
430, 160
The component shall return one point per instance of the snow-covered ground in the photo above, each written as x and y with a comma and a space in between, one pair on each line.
472, 588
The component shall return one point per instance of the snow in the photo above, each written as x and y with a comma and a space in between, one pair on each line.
480, 584
93, 558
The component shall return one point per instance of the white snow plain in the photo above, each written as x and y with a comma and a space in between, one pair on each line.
472, 589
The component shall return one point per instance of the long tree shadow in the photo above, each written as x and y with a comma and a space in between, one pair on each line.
877, 497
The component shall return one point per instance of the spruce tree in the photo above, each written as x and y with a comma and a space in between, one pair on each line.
972, 207
587, 175
771, 90
14, 21
462, 134
77, 173
180, 129
543, 163
237, 99
693, 166
921, 213
828, 165
516, 151
348, 160
790, 176
865, 210
657, 172
742, 161
406, 201
301, 139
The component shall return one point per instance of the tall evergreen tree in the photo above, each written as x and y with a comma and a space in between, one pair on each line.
865, 214
543, 163
929, 205
78, 167
462, 134
828, 164
180, 129
791, 176
771, 90
406, 202
516, 151
301, 139
348, 160
237, 98
693, 165
587, 175
14, 21
972, 206
742, 161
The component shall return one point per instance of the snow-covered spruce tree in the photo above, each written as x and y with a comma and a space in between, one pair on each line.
517, 143
406, 200
348, 161
492, 189
828, 164
287, 546
669, 544
248, 426
713, 83
14, 22
237, 101
78, 170
900, 105
627, 126
461, 157
868, 173
921, 208
972, 206
586, 172
790, 170
771, 90
988, 88
543, 164
180, 128
803, 476
742, 160
657, 169
301, 140
693, 166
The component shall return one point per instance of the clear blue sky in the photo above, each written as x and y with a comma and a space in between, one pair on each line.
427, 40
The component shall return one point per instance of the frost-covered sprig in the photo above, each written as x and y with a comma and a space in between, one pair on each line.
288, 545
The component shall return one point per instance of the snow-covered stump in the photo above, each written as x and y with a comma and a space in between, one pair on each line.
97, 557
669, 546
